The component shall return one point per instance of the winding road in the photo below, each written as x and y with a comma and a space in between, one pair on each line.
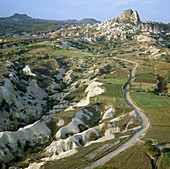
134, 138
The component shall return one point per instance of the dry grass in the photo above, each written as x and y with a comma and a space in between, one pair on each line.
119, 73
159, 116
133, 158
160, 134
162, 68
84, 156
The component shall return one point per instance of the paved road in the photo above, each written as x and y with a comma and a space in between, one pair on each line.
133, 139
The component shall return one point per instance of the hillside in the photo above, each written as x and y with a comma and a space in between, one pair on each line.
73, 95
24, 25
18, 18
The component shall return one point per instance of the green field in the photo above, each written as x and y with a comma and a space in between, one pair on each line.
149, 101
113, 90
132, 158
145, 76
157, 110
13, 49
68, 53
116, 101
114, 93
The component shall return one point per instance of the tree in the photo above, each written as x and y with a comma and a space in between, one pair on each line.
153, 68
62, 83
20, 120
113, 45
26, 120
8, 124
15, 123
153, 148
164, 84
30, 118
34, 41
36, 113
148, 143
168, 76
91, 49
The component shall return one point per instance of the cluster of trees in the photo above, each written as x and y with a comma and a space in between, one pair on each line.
14, 123
151, 147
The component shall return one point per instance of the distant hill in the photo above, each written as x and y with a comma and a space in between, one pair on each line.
71, 21
25, 18
18, 18
90, 21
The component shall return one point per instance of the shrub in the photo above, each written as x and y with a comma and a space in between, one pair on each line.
82, 127
148, 143
29, 150
92, 136
152, 148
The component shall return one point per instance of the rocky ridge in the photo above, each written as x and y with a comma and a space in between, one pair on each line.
125, 27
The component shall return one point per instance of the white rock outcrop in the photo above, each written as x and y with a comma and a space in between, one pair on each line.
92, 90
60, 122
77, 140
68, 77
108, 114
7, 93
73, 127
10, 141
27, 70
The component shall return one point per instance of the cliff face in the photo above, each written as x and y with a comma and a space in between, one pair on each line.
129, 16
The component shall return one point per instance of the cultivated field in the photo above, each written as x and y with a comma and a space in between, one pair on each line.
114, 93
157, 110
145, 76
144, 100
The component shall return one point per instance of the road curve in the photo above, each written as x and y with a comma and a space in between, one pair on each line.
133, 139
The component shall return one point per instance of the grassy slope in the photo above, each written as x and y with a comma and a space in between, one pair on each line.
132, 158
84, 156
158, 111
114, 94
68, 53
